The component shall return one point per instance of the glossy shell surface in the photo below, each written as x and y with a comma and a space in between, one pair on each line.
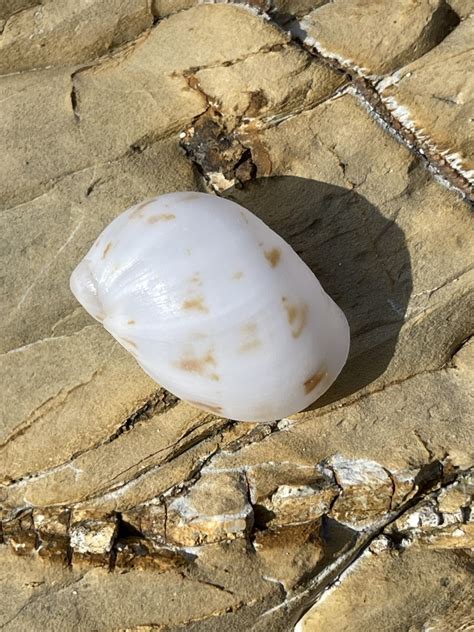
215, 306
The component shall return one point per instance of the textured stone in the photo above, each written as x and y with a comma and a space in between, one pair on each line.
390, 591
57, 33
91, 539
367, 491
290, 553
424, 419
296, 504
64, 394
462, 7
97, 115
410, 29
163, 8
114, 459
36, 598
123, 509
434, 98
292, 80
215, 509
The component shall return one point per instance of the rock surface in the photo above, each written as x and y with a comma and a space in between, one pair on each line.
123, 508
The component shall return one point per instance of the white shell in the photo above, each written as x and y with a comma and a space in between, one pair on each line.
214, 306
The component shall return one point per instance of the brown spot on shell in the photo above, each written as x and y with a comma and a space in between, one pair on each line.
195, 303
212, 408
130, 322
198, 365
238, 275
187, 197
249, 328
250, 345
314, 380
162, 217
250, 340
215, 377
107, 250
273, 256
297, 316
196, 278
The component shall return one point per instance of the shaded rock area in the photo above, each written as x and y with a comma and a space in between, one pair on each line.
123, 508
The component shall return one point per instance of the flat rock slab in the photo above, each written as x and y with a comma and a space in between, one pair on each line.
409, 30
123, 508
434, 97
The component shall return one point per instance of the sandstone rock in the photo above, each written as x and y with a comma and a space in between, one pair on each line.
287, 9
95, 128
65, 394
296, 504
38, 598
123, 509
367, 491
149, 519
114, 460
409, 30
462, 7
434, 97
91, 539
136, 553
391, 591
441, 521
163, 8
292, 80
290, 554
215, 509
71, 31
51, 526
414, 429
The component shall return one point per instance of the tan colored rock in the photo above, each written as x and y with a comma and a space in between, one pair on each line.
413, 590
114, 460
367, 491
215, 509
462, 7
409, 30
163, 8
52, 533
11, 7
91, 539
39, 596
293, 8
148, 519
443, 520
434, 98
184, 521
457, 496
71, 31
289, 553
297, 504
97, 115
138, 553
55, 393
292, 80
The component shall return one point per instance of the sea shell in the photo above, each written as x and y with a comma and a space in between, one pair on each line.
214, 306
